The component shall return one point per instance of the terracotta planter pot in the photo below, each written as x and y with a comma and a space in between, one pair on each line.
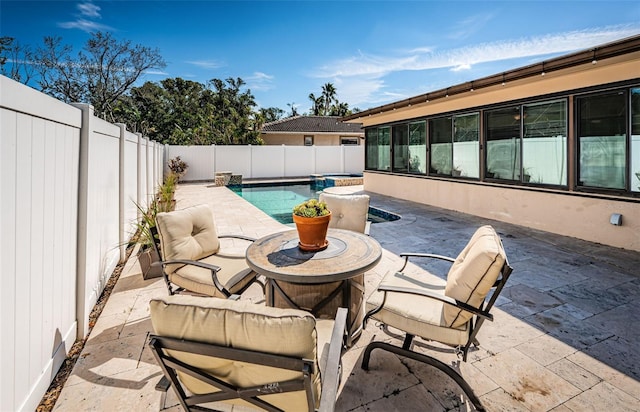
312, 232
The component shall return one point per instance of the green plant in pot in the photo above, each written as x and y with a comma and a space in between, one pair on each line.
312, 222
148, 257
166, 192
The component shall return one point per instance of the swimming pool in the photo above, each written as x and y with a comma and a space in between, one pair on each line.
278, 200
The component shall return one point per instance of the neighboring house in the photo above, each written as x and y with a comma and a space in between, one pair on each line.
553, 146
312, 130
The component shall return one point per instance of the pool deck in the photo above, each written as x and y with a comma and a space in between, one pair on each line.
564, 337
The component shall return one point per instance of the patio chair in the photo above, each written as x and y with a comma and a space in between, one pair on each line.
448, 311
192, 260
347, 211
245, 354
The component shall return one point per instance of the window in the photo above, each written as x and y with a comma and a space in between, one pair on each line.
466, 145
602, 140
349, 141
378, 149
441, 147
418, 147
308, 140
455, 145
401, 148
503, 143
544, 144
524, 143
371, 149
634, 169
384, 148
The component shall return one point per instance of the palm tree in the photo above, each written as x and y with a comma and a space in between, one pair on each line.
294, 110
316, 102
328, 96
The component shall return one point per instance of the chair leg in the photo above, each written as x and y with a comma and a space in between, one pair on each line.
425, 359
163, 386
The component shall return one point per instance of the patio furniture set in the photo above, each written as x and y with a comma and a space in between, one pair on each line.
285, 355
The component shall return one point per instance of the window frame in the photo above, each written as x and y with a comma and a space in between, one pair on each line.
569, 182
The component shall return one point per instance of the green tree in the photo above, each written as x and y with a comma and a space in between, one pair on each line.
327, 104
317, 107
271, 114
328, 97
293, 108
179, 111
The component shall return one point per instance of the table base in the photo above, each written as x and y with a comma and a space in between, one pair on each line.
322, 299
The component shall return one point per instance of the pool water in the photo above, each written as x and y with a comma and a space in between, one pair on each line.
278, 200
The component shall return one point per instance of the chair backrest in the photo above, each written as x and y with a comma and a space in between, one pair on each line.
235, 334
189, 234
347, 211
474, 273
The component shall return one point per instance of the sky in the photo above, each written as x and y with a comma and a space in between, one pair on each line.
374, 52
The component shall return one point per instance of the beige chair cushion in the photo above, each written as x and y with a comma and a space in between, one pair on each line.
417, 315
242, 325
187, 234
473, 273
348, 212
234, 275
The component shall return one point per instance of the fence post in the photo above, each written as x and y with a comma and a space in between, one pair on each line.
315, 159
121, 194
342, 168
83, 181
154, 150
284, 161
146, 175
139, 175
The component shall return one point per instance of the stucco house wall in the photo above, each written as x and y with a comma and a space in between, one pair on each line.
297, 139
565, 211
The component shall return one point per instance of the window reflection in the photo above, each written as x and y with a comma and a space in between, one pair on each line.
384, 148
503, 143
544, 147
371, 144
418, 147
634, 168
440, 140
400, 148
602, 141
466, 146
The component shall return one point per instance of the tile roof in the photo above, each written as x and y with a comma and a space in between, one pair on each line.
308, 124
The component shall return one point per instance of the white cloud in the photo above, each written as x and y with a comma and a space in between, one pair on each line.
86, 20
366, 71
89, 9
259, 81
85, 25
465, 28
156, 72
206, 64
461, 67
372, 65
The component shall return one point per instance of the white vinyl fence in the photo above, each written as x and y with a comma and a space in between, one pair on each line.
267, 161
67, 206
70, 184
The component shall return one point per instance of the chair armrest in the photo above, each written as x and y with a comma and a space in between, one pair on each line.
213, 268
194, 263
407, 255
331, 375
442, 298
247, 238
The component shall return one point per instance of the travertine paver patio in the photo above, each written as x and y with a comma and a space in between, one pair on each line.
564, 337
